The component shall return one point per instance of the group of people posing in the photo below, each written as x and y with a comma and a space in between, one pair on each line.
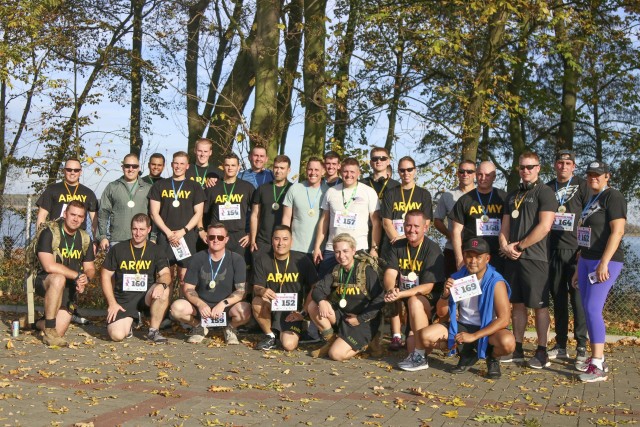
335, 254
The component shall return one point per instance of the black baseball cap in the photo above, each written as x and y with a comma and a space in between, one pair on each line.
598, 167
566, 155
477, 244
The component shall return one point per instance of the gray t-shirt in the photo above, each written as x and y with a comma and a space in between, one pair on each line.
445, 204
303, 225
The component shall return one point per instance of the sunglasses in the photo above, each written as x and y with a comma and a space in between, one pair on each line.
379, 158
466, 171
528, 167
72, 170
405, 170
213, 237
130, 166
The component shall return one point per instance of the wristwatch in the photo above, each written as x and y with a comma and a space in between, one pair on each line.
519, 248
226, 302
186, 230
200, 229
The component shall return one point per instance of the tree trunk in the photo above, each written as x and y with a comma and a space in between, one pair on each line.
265, 54
315, 120
473, 113
135, 133
398, 83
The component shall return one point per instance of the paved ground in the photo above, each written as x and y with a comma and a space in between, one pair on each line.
139, 383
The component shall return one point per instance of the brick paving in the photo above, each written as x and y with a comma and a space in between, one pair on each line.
137, 383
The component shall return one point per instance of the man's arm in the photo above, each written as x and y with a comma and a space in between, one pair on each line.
376, 232
50, 266
390, 230
456, 242
104, 218
253, 226
89, 268
42, 217
506, 247
164, 276
502, 308
390, 278
442, 228
154, 209
287, 215
321, 233
94, 222
540, 231
191, 295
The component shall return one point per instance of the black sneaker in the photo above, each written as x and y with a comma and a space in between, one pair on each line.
267, 343
516, 356
493, 368
155, 336
539, 360
465, 362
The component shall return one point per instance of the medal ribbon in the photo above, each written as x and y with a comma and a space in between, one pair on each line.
406, 205
277, 198
230, 193
344, 285
591, 202
315, 198
561, 201
286, 267
133, 190
353, 196
409, 254
516, 203
144, 248
204, 175
484, 210
213, 276
173, 186
66, 244
381, 190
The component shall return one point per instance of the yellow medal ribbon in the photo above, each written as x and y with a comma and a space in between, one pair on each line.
409, 254
406, 205
286, 267
144, 248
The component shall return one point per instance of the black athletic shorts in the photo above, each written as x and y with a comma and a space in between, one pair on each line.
529, 281
132, 302
356, 336
163, 243
69, 294
279, 323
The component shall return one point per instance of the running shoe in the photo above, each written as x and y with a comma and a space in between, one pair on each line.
493, 368
557, 353
395, 344
581, 354
267, 343
197, 334
539, 360
516, 356
584, 366
414, 362
231, 335
593, 374
155, 336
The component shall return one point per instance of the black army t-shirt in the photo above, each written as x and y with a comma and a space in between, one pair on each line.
189, 194
265, 196
226, 273
295, 275
229, 204
469, 210
426, 261
200, 174
55, 198
530, 203
573, 195
70, 248
382, 186
610, 205
124, 258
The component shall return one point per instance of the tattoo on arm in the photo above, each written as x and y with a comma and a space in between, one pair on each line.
240, 290
192, 293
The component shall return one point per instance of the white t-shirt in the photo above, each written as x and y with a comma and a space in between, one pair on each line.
351, 213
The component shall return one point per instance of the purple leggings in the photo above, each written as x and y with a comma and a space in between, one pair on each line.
594, 296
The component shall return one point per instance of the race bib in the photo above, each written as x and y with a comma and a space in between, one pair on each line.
285, 302
182, 250
405, 283
465, 287
345, 220
563, 221
489, 228
215, 322
398, 224
227, 213
132, 284
584, 237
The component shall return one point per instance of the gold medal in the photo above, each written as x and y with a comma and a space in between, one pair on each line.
562, 209
404, 214
515, 214
176, 203
342, 303
485, 218
131, 204
275, 206
345, 212
227, 205
311, 212
138, 277
412, 276
212, 284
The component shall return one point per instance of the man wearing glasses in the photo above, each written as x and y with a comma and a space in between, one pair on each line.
466, 175
55, 198
528, 215
214, 289
121, 200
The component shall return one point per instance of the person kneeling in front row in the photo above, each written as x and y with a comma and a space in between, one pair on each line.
214, 290
349, 300
476, 322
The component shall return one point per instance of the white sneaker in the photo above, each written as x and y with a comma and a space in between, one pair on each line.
231, 335
414, 362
